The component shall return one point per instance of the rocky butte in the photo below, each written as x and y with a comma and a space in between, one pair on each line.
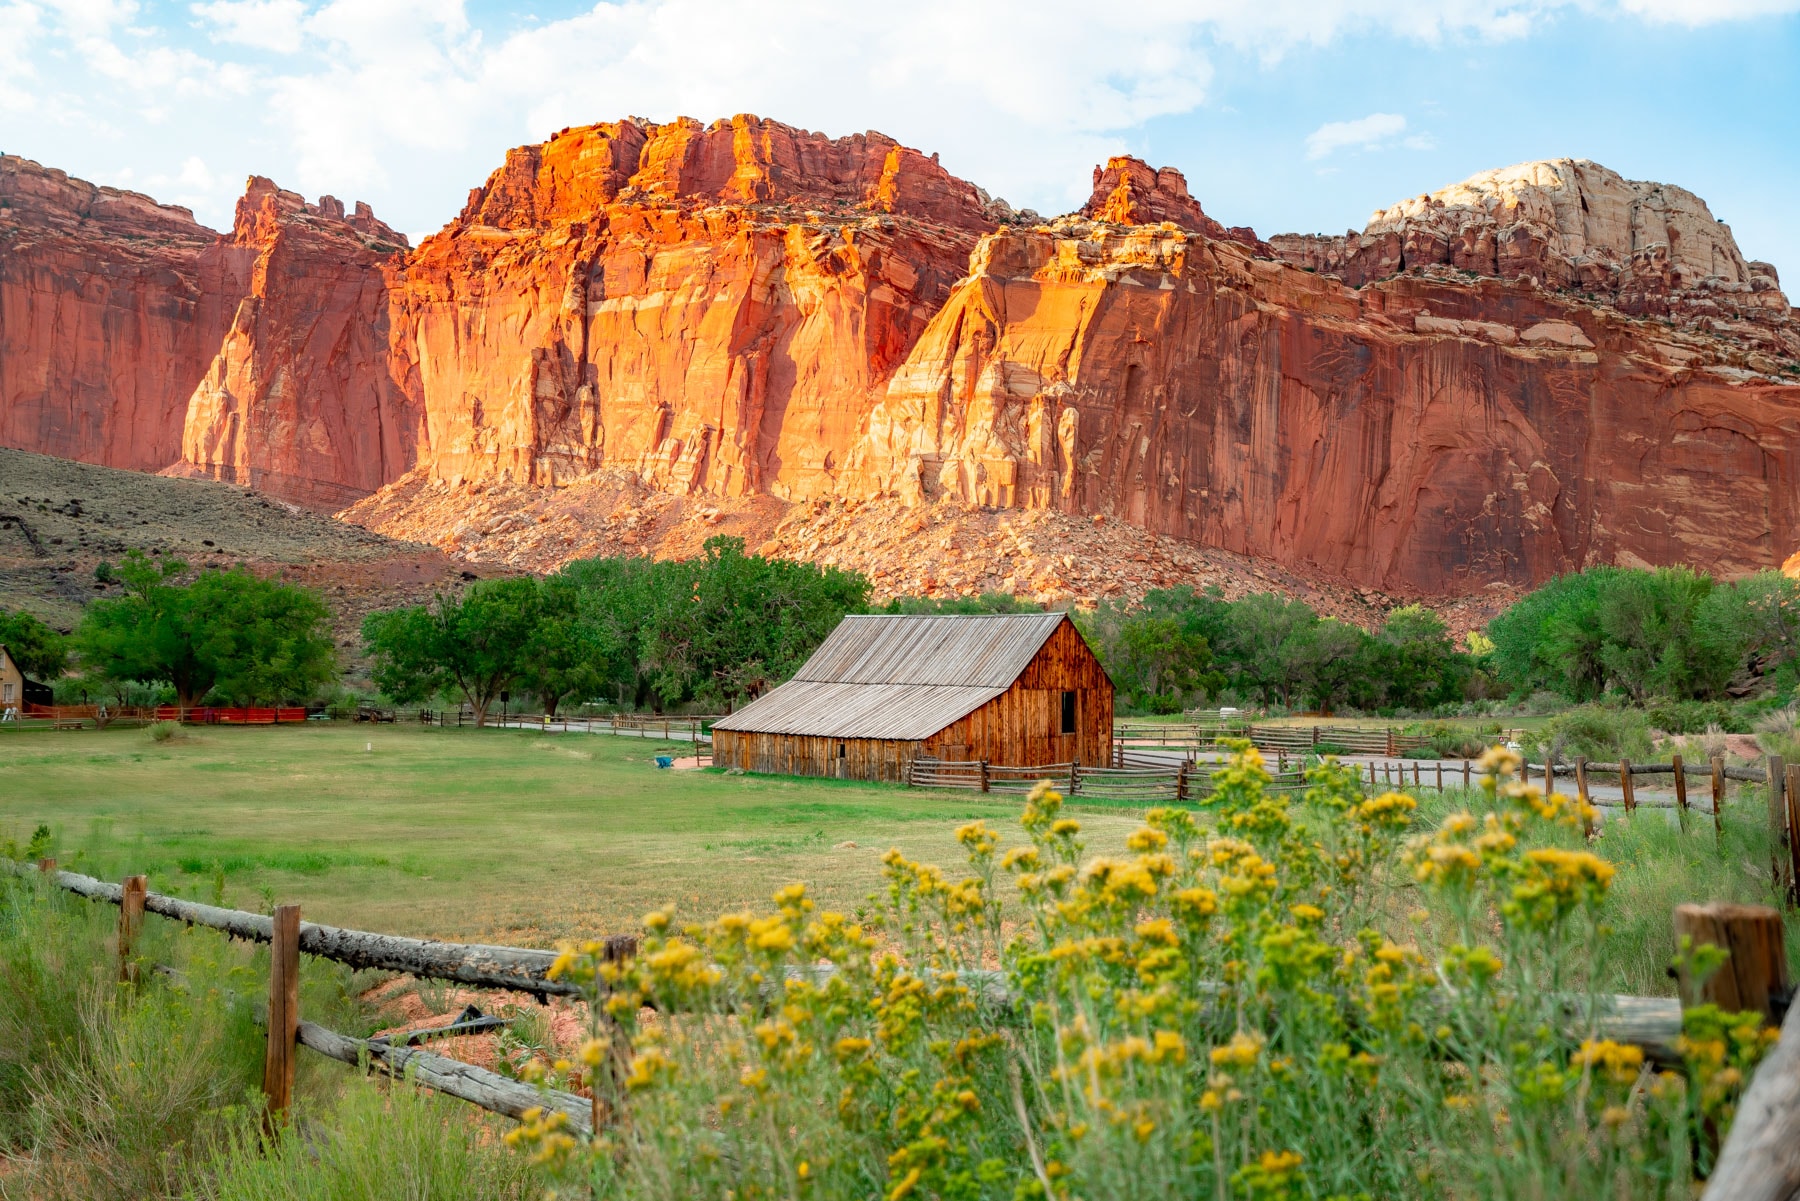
731, 325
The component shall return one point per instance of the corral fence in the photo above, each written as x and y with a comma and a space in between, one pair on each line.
1757, 1161
1293, 740
78, 716
1147, 784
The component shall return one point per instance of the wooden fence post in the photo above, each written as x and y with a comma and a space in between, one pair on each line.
131, 920
1626, 787
1776, 776
1371, 773
1181, 781
1756, 976
984, 775
1417, 782
1681, 806
1718, 793
1389, 748
1465, 773
1792, 794
1549, 775
284, 1013
1440, 771
1074, 774
1581, 789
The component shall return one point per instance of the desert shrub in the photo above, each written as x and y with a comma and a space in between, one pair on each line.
1234, 1007
163, 731
1694, 717
1596, 732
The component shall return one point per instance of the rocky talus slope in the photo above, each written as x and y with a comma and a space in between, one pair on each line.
1543, 368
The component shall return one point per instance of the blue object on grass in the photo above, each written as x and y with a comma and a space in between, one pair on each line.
665, 761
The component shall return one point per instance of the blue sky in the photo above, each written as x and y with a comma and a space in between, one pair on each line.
1284, 114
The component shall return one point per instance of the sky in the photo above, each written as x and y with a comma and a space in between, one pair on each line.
1285, 115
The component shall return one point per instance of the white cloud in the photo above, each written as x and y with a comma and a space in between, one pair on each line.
262, 24
1706, 12
1364, 133
413, 100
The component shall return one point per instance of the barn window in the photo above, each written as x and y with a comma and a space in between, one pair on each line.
1068, 713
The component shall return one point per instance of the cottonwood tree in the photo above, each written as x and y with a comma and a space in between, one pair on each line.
476, 645
229, 635
40, 652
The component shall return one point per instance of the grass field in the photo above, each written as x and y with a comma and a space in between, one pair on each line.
501, 835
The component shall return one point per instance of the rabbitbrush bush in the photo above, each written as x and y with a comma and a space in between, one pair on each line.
1264, 999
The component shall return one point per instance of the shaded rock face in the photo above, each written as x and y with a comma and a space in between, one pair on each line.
1648, 249
104, 323
1507, 381
300, 399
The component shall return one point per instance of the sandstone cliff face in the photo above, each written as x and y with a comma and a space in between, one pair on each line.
1418, 437
1544, 368
104, 324
708, 306
1648, 249
299, 399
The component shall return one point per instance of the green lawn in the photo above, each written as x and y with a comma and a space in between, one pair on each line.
499, 835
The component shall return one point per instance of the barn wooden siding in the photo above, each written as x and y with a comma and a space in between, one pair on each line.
803, 755
1022, 726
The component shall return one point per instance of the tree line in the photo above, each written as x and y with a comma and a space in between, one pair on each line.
1642, 635
639, 633
721, 628
1180, 648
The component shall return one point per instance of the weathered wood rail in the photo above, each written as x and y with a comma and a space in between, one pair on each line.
1141, 780
518, 969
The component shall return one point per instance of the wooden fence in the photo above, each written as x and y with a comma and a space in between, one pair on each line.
1760, 1160
1361, 740
1148, 784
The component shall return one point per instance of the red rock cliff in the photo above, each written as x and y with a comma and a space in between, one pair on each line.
708, 306
1416, 436
300, 399
104, 323
1505, 381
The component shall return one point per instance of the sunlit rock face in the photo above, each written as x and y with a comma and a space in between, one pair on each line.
1539, 369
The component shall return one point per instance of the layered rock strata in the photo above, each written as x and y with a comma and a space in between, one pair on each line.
1415, 436
1647, 249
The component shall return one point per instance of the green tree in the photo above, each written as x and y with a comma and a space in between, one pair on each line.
476, 644
574, 650
230, 635
1268, 646
40, 652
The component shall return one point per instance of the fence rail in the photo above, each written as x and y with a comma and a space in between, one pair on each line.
1146, 783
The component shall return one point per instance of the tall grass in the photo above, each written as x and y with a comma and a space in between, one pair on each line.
109, 1091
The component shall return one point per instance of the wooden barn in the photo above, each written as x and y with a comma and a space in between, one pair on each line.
1021, 689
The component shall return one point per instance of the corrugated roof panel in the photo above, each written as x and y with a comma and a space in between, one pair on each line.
989, 650
899, 677
900, 712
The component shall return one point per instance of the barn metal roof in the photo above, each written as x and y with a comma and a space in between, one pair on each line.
899, 677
